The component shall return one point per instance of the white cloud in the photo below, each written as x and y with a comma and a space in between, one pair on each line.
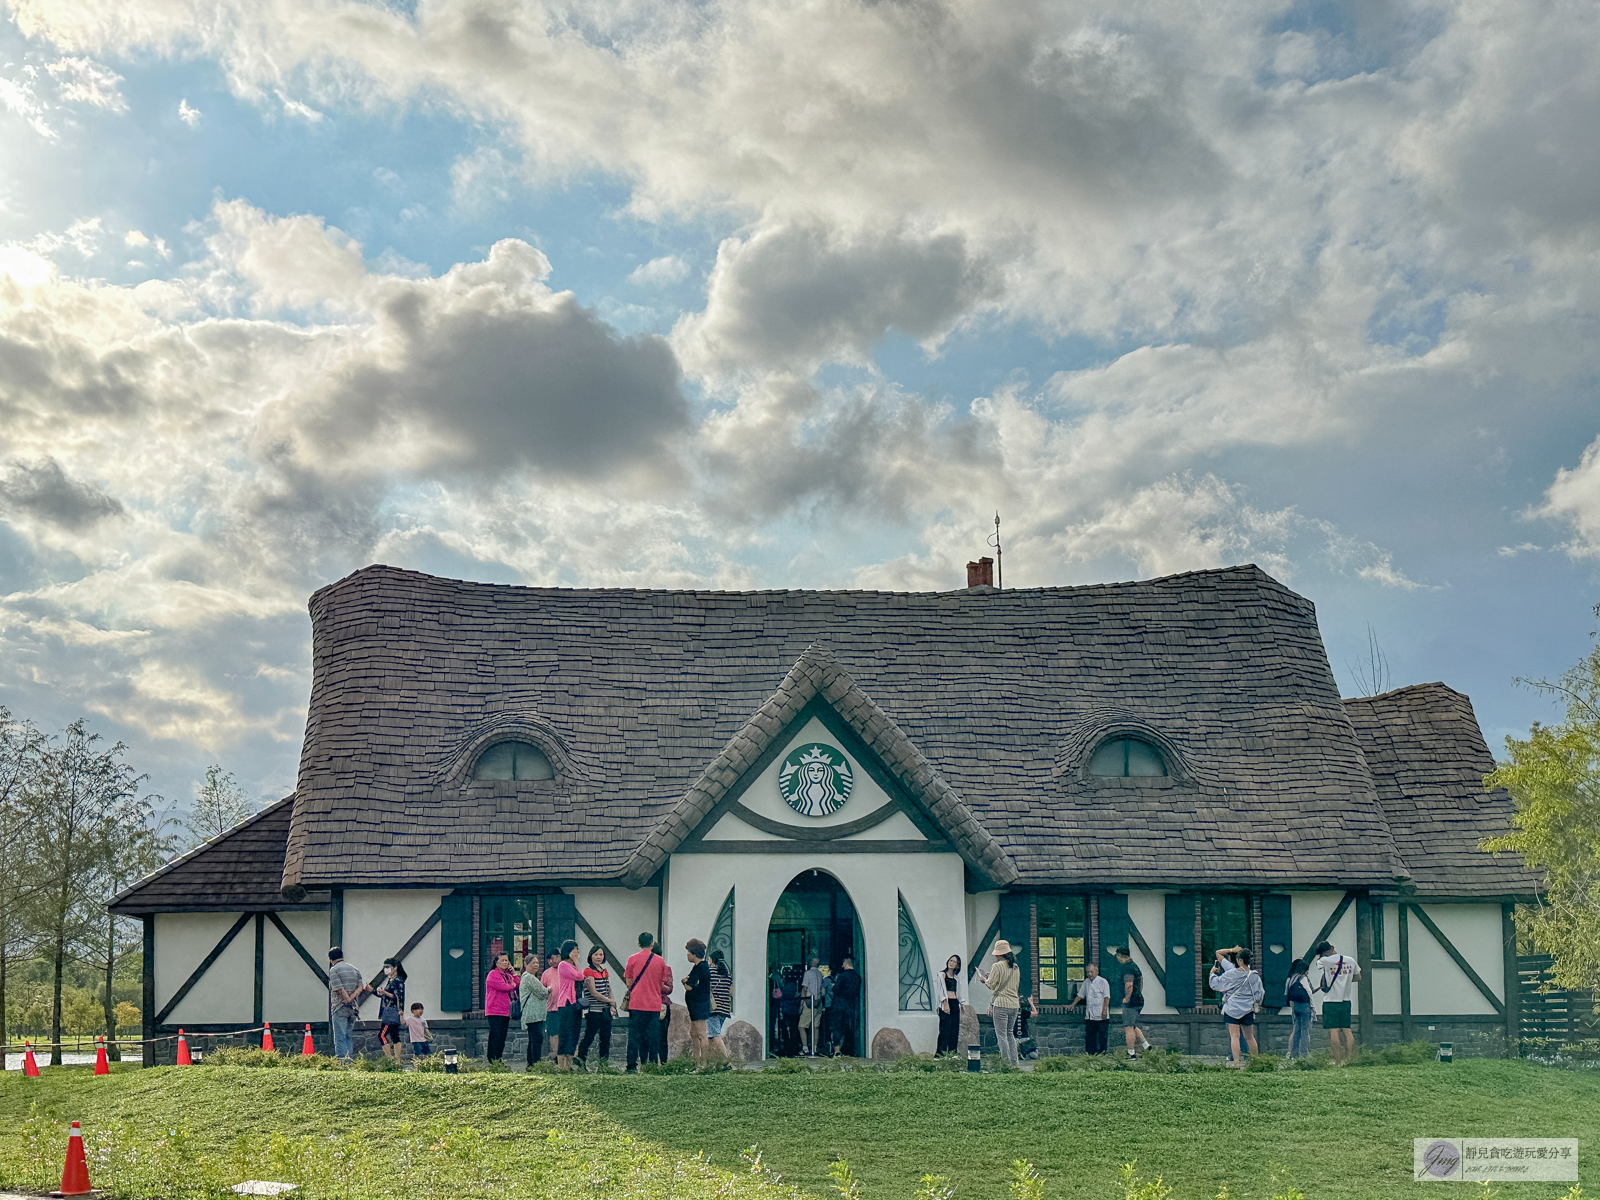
189, 116
660, 272
1574, 499
84, 81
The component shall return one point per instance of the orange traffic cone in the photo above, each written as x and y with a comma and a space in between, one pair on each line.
266, 1038
75, 1175
183, 1050
307, 1048
29, 1067
101, 1066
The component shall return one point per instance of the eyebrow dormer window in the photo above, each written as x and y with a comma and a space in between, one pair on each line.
1127, 758
513, 760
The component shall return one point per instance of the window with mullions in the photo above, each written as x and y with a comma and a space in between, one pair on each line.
1224, 922
1127, 758
1063, 947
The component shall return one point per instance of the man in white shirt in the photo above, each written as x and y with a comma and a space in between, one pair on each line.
1241, 990
1095, 996
1333, 973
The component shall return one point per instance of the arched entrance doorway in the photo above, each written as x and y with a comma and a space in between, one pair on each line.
813, 916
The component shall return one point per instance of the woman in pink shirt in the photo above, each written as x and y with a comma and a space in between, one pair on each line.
498, 988
569, 978
552, 1021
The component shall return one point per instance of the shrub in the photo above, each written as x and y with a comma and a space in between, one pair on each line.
1263, 1062
1321, 1060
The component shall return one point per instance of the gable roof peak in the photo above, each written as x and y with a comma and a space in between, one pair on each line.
817, 676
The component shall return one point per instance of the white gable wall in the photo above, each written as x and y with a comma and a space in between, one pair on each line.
1438, 986
376, 925
290, 993
225, 994
697, 884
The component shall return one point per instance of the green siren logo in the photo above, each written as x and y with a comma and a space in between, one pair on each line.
815, 780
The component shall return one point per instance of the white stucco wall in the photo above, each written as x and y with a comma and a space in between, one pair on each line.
982, 908
225, 994
932, 885
1308, 910
1386, 991
1440, 987
290, 993
377, 924
1148, 913
762, 796
619, 916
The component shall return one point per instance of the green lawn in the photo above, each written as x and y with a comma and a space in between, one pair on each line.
355, 1136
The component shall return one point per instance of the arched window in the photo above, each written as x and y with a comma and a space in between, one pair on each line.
915, 995
1127, 758
722, 932
513, 760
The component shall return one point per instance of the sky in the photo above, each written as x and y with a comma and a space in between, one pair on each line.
765, 295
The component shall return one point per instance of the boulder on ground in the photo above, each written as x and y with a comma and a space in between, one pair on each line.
678, 1031
743, 1041
970, 1035
889, 1042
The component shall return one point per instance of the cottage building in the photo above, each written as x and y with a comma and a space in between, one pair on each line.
898, 777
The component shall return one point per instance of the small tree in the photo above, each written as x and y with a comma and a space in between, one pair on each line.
1553, 777
219, 804
135, 846
20, 744
79, 797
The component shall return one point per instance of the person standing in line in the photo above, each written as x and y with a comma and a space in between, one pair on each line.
847, 1005
697, 997
1002, 983
1095, 996
552, 1026
1297, 991
790, 1033
417, 1031
952, 985
1132, 989
599, 1006
721, 1002
811, 1007
498, 988
1337, 972
641, 976
535, 998
569, 978
825, 1026
1241, 990
346, 990
391, 993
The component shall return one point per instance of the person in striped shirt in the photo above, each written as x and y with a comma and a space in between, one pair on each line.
721, 1002
601, 1007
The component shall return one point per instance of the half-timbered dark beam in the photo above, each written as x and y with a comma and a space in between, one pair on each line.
147, 990
1459, 959
1149, 956
260, 1011
199, 972
1327, 926
412, 943
294, 943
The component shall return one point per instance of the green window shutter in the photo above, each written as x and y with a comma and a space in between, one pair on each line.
455, 953
560, 921
1277, 947
1016, 927
1113, 933
1180, 951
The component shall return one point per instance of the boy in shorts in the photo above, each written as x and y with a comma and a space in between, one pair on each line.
417, 1031
1132, 1000
1334, 973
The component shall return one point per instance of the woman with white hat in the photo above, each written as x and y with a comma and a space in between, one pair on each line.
1002, 984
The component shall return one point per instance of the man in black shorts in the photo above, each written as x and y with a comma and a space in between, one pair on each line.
1131, 989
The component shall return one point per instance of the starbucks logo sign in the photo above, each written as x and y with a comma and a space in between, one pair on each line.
815, 780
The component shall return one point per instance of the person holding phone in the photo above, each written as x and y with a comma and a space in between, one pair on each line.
1241, 990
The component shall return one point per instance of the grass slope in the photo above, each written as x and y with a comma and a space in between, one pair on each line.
354, 1136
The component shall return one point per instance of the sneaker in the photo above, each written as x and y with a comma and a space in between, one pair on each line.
1131, 1054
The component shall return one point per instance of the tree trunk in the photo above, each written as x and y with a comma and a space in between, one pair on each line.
3, 1030
112, 1050
55, 1009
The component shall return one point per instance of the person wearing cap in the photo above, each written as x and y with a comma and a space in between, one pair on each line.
1002, 982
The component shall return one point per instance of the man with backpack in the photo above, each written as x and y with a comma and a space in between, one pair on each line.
1132, 988
1336, 972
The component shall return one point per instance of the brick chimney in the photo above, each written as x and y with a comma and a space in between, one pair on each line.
980, 573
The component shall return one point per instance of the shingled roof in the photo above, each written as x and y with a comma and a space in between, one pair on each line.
1002, 693
1428, 759
239, 870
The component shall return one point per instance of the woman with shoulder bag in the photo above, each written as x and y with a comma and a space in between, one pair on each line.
1297, 991
1003, 1004
534, 998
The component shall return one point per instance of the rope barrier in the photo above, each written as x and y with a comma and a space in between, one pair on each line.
21, 1047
